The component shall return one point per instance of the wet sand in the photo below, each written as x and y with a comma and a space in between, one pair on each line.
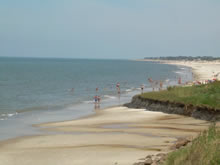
112, 136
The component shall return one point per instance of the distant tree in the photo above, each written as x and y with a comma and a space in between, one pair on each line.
187, 58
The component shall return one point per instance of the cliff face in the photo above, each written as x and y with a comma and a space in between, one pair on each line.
197, 112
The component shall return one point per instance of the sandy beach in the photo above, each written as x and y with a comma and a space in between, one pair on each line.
112, 136
203, 70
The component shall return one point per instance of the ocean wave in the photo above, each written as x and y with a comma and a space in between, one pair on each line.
39, 108
132, 89
88, 102
11, 114
110, 97
179, 72
128, 90
4, 116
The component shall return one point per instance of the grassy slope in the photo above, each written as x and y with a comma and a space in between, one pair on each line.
205, 150
202, 95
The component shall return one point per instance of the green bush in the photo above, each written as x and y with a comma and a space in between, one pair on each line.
204, 150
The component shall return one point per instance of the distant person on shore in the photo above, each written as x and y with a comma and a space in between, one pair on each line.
98, 99
150, 80
179, 81
97, 102
118, 88
151, 83
161, 85
97, 105
142, 88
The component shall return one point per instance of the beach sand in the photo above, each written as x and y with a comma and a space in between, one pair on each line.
112, 136
203, 70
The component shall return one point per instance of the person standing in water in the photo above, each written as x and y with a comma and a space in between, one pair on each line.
142, 88
118, 87
96, 99
96, 96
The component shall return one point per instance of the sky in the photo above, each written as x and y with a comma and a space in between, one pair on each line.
109, 29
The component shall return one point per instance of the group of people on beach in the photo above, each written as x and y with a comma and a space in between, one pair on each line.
154, 84
97, 98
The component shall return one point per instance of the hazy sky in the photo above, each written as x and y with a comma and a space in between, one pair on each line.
109, 28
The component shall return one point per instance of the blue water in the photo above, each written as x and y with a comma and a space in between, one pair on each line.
42, 90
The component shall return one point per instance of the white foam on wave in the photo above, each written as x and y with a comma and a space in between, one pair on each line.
110, 97
178, 72
88, 102
132, 89
10, 114
128, 90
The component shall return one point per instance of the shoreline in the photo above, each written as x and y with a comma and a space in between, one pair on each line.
202, 70
69, 113
113, 135
105, 132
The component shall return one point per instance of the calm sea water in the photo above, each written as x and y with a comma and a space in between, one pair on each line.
48, 87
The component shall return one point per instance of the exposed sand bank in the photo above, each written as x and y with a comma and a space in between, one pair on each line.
203, 70
112, 136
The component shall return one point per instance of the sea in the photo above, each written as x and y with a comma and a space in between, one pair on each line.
39, 90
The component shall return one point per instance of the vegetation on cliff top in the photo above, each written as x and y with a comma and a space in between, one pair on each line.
204, 150
200, 95
186, 58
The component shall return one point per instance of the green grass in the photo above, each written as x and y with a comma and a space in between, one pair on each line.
205, 150
200, 95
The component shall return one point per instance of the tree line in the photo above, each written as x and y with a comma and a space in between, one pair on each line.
187, 58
